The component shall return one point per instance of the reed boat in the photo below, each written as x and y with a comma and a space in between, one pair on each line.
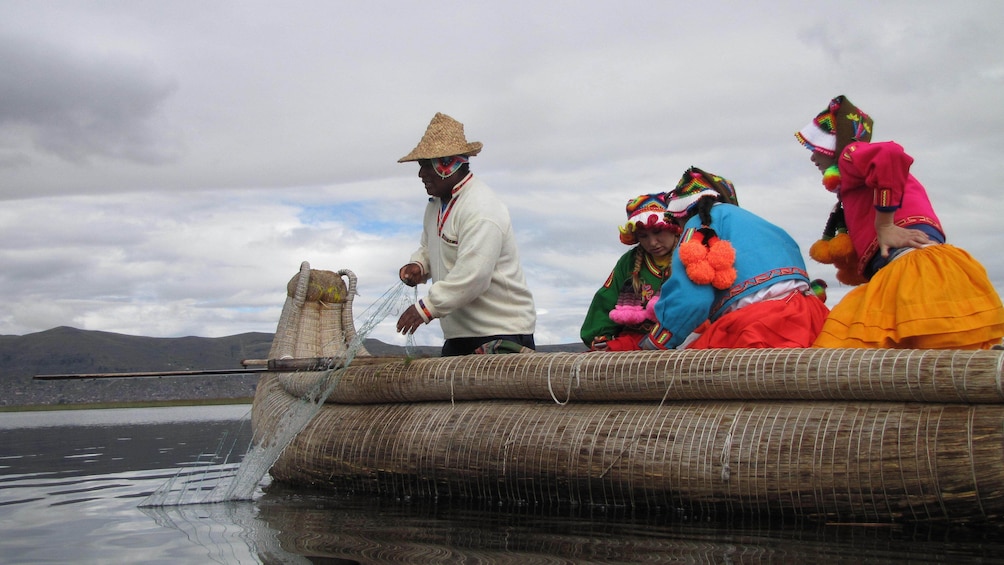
838, 435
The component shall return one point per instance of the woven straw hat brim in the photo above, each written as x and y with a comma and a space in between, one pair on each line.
443, 138
467, 150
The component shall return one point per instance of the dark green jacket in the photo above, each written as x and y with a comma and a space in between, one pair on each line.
619, 286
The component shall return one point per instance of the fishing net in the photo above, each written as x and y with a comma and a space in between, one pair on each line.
316, 321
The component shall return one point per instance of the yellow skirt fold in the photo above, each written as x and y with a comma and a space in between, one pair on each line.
937, 297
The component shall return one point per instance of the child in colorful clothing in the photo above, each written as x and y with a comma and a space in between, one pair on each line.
621, 312
916, 291
737, 281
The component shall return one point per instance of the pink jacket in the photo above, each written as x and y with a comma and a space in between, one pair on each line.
876, 176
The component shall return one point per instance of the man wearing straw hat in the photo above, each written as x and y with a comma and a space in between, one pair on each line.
468, 250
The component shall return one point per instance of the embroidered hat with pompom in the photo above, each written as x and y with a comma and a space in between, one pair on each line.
838, 125
648, 212
695, 184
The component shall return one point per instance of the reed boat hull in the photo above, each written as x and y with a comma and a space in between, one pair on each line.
839, 459
838, 435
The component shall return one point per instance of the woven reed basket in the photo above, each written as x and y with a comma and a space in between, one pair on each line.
848, 435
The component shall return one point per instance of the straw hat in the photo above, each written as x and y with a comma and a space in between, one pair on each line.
443, 138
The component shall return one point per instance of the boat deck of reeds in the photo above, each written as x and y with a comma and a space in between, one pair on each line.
832, 434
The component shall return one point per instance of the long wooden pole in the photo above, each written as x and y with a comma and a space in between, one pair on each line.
69, 376
250, 366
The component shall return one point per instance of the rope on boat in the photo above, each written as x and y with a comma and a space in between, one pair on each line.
573, 375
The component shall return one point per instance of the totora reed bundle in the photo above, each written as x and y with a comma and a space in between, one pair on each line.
830, 434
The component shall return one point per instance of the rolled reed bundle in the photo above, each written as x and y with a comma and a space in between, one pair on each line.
348, 325
316, 319
718, 374
846, 461
287, 332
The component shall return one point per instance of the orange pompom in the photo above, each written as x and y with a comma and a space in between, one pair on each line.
701, 272
724, 278
842, 246
820, 251
692, 252
850, 277
711, 263
846, 263
721, 254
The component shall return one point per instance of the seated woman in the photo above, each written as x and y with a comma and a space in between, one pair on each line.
915, 290
621, 312
741, 274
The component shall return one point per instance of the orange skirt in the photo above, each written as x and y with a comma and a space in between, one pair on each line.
794, 321
937, 297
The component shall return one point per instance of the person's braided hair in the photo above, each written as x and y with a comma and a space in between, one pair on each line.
639, 258
703, 208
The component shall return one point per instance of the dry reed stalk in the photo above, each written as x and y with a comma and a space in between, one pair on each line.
737, 374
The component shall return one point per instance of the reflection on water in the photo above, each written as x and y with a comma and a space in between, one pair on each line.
234, 533
70, 486
320, 525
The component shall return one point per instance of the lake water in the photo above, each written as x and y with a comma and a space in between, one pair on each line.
71, 485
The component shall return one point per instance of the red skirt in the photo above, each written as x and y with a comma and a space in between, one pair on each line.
794, 321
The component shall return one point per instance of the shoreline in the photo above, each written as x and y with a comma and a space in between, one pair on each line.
125, 404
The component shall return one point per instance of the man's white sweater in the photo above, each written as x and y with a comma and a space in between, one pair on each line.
478, 285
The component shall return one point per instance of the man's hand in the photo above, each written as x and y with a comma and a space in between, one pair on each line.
409, 321
411, 274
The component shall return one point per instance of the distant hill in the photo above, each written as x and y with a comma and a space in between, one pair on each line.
66, 350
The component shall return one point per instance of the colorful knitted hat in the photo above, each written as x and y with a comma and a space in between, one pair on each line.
836, 126
707, 258
694, 184
647, 211
443, 138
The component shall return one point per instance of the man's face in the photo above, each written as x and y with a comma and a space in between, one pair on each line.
435, 185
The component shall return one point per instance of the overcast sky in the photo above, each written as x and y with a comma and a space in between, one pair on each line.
166, 166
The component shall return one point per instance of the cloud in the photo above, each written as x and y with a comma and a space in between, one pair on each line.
79, 106
165, 167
